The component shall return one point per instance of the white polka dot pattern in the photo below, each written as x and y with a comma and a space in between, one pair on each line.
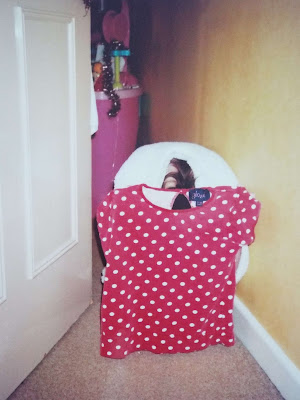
170, 276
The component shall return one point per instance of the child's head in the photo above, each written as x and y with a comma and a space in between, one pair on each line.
179, 175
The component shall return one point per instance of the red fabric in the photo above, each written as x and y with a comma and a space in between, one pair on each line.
170, 277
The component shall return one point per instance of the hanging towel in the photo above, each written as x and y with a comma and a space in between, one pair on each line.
93, 110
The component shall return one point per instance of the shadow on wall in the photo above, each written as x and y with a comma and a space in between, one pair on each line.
140, 43
141, 26
144, 131
163, 58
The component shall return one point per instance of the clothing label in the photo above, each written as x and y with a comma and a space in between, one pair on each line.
199, 196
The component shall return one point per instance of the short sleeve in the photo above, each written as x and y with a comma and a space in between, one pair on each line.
244, 216
104, 221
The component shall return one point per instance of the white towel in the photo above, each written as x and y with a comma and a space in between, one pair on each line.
93, 110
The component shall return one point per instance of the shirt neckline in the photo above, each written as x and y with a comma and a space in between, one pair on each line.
188, 210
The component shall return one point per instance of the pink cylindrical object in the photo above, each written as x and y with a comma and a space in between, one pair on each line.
114, 141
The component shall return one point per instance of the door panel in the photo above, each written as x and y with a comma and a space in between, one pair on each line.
45, 215
49, 149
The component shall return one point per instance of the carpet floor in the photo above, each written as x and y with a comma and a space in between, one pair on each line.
74, 370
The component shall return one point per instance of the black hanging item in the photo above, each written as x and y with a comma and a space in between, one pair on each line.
87, 4
108, 76
181, 203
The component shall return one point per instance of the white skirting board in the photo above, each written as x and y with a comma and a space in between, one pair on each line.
280, 369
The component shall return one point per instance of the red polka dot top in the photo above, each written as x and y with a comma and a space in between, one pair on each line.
170, 276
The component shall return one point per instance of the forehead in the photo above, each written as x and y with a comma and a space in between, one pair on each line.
171, 168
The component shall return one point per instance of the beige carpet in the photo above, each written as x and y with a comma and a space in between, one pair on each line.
74, 370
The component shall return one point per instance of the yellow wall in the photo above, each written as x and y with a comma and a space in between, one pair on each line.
226, 74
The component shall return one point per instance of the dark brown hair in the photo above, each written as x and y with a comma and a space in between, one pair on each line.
184, 177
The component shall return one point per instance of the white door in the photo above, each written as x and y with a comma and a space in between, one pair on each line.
45, 215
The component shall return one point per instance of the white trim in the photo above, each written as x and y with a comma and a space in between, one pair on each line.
280, 369
2, 265
73, 128
24, 118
